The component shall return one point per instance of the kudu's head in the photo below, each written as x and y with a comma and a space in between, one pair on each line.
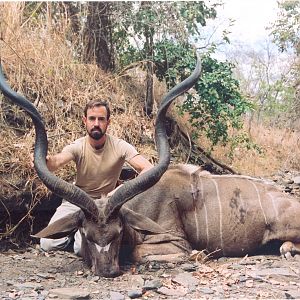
101, 222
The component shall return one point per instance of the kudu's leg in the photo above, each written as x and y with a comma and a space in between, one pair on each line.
170, 251
158, 252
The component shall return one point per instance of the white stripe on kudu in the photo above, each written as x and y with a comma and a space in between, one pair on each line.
206, 213
259, 200
221, 215
273, 204
195, 191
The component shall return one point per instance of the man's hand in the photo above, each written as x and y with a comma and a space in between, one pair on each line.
113, 191
32, 160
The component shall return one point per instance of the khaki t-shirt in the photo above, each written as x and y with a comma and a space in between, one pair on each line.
99, 170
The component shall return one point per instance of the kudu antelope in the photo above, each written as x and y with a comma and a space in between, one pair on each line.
105, 224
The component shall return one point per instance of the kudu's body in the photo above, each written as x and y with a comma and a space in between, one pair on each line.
229, 215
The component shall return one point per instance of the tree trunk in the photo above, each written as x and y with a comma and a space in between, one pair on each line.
97, 38
149, 98
148, 107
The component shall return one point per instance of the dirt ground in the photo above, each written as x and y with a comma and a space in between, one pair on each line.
32, 274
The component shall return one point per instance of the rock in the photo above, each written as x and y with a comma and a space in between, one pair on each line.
297, 180
135, 294
152, 285
188, 267
172, 292
297, 257
186, 279
206, 290
136, 281
95, 278
45, 276
273, 271
170, 265
28, 285
154, 266
70, 293
116, 296
292, 294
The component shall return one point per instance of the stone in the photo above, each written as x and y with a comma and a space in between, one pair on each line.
45, 276
273, 272
135, 294
70, 293
136, 281
188, 267
292, 294
28, 285
297, 180
206, 290
172, 292
116, 296
152, 285
186, 279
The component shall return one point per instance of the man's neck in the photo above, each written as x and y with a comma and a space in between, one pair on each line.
97, 144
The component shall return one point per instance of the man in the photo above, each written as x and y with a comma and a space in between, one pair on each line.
99, 159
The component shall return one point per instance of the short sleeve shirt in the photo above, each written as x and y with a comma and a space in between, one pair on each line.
99, 170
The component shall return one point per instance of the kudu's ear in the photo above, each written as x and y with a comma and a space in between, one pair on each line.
140, 222
62, 227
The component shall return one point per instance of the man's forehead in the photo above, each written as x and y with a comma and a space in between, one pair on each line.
97, 110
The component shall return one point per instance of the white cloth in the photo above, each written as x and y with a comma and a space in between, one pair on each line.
60, 244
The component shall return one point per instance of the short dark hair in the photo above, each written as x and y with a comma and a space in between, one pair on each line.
97, 103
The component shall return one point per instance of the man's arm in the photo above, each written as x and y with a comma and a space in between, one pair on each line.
140, 164
54, 162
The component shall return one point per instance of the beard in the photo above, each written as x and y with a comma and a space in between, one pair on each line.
96, 133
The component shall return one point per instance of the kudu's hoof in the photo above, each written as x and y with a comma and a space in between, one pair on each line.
287, 250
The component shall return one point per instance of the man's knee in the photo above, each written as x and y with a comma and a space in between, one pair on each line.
55, 244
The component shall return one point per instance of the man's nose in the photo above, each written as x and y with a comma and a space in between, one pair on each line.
96, 122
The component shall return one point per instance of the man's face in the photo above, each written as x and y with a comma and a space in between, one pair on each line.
96, 122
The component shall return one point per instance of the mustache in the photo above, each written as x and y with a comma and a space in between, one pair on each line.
96, 128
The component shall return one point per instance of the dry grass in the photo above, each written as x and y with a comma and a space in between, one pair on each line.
280, 151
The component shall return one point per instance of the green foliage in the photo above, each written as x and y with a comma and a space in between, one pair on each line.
217, 103
286, 29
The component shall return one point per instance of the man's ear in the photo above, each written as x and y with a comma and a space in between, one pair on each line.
84, 120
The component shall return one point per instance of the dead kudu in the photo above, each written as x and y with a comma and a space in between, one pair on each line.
104, 224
